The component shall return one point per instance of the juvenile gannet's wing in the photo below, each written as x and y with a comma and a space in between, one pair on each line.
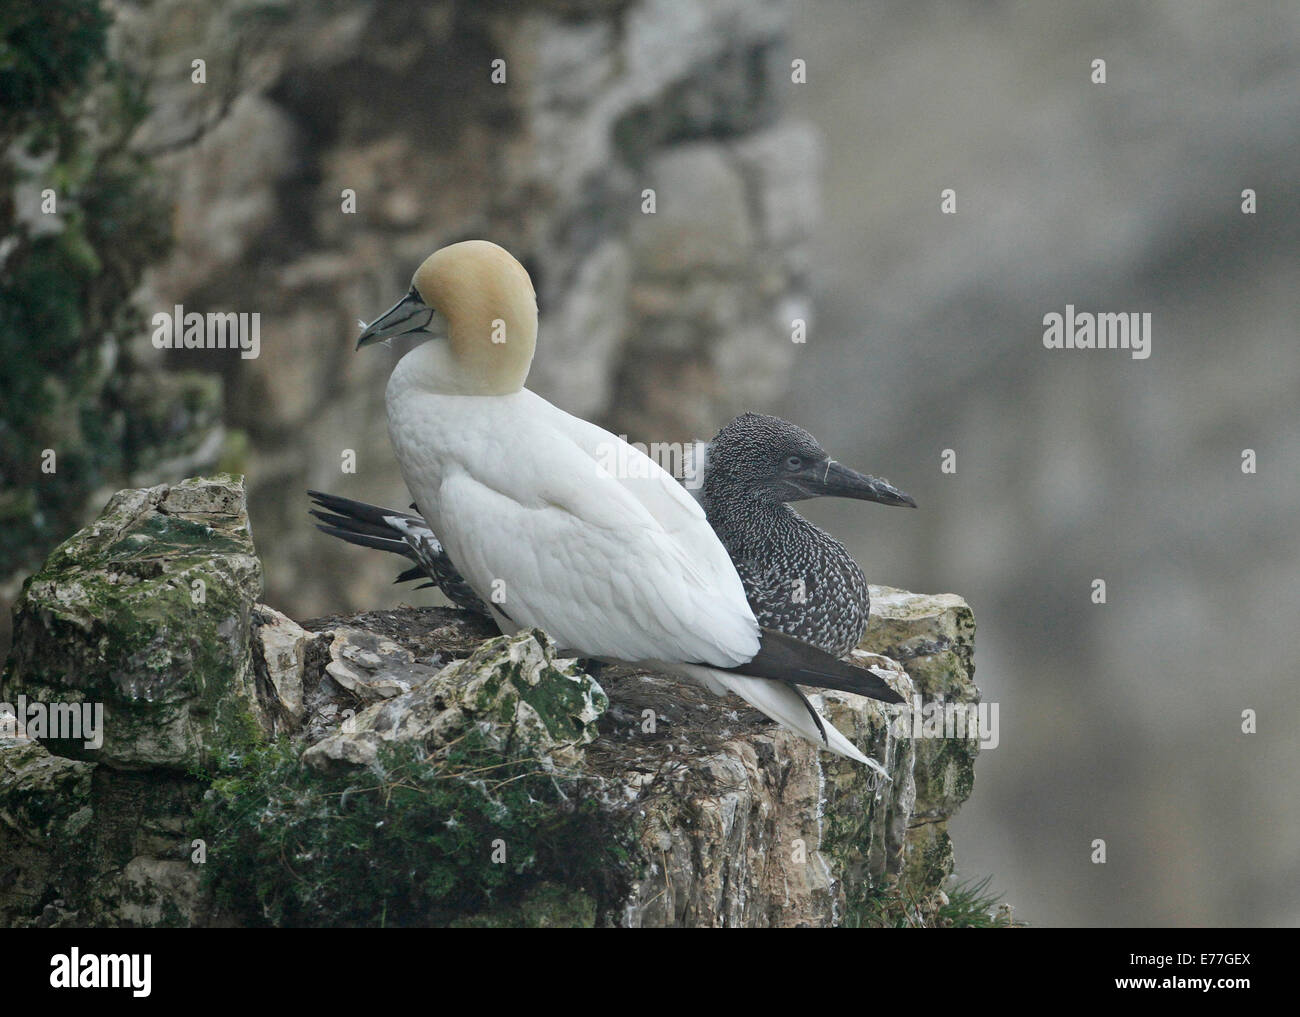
789, 659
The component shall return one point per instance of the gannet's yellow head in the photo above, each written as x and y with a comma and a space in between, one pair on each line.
487, 302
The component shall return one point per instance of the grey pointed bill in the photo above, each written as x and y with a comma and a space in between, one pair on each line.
410, 314
828, 479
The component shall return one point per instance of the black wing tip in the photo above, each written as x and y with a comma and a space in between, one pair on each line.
817, 717
871, 687
360, 510
790, 659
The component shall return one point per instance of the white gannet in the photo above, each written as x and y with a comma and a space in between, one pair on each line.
620, 566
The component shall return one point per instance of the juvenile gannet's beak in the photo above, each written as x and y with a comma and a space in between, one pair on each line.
828, 479
410, 314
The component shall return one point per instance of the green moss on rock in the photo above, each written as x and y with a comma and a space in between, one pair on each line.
148, 611
545, 906
465, 836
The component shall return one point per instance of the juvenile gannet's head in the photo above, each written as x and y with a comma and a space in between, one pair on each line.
763, 458
478, 298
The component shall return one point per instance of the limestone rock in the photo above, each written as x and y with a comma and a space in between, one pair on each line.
44, 809
515, 689
372, 667
280, 647
147, 611
935, 637
84, 846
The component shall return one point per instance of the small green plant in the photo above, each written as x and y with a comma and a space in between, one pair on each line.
971, 905
430, 840
964, 905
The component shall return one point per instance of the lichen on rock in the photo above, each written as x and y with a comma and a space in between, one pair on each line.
148, 611
523, 700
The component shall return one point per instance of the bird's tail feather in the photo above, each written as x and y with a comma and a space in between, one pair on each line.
355, 525
366, 540
376, 515
363, 525
783, 704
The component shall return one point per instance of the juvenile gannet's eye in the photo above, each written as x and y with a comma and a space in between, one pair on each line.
794, 463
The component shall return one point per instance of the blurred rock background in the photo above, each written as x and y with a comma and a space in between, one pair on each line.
1120, 721
777, 201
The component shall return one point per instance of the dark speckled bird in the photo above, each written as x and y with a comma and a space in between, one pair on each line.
799, 579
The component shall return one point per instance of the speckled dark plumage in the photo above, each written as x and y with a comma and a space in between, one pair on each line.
799, 579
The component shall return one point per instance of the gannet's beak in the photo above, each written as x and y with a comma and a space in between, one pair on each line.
410, 314
828, 479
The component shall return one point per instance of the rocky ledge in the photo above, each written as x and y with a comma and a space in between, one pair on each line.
412, 767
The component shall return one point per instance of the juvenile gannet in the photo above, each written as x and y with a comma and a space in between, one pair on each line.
619, 567
798, 578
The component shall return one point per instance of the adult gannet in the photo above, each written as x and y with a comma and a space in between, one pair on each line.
619, 567
798, 578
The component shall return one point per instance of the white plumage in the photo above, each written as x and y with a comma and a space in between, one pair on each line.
610, 566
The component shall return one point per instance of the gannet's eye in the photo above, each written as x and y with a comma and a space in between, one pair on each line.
794, 463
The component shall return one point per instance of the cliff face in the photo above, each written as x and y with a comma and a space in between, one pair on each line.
409, 766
